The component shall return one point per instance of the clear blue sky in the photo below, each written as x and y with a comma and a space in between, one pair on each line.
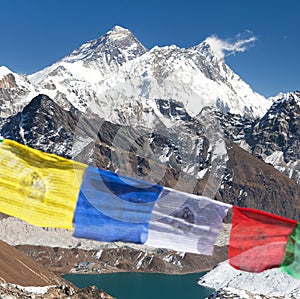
36, 33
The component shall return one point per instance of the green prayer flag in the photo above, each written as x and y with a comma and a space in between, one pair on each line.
291, 263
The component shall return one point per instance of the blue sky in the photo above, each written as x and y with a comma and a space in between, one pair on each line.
36, 33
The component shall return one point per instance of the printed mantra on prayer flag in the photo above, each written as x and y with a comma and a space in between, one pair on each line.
39, 188
113, 207
258, 239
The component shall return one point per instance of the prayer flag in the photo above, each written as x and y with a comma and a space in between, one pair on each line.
39, 188
258, 239
186, 222
291, 263
113, 207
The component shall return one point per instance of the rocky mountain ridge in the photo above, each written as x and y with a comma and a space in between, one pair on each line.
274, 138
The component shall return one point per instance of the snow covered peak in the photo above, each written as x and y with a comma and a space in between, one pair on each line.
209, 49
118, 32
117, 44
4, 71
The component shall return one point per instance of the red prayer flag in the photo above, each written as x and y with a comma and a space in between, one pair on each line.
258, 239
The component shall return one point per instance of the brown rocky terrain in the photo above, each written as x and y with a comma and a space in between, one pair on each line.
250, 182
16, 267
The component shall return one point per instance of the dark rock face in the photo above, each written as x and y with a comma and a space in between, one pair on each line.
279, 130
41, 123
44, 125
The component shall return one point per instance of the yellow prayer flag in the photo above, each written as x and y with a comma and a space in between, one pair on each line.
39, 188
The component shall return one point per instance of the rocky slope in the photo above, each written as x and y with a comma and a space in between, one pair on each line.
241, 180
18, 268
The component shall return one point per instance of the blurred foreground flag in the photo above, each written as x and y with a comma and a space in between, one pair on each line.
39, 188
260, 241
291, 263
113, 207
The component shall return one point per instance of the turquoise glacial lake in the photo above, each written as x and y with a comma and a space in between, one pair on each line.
131, 285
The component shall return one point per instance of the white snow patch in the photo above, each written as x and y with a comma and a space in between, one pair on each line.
28, 289
275, 158
4, 71
271, 282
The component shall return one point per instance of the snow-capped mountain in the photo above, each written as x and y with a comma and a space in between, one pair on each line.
15, 92
164, 91
115, 73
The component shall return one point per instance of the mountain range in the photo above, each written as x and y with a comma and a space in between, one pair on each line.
175, 116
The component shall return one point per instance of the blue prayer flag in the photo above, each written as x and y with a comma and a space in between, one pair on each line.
113, 207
